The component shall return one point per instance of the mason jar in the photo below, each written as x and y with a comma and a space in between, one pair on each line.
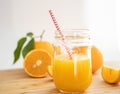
72, 60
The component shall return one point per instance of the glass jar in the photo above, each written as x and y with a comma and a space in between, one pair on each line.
72, 71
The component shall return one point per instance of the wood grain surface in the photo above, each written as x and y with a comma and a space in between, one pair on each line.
16, 81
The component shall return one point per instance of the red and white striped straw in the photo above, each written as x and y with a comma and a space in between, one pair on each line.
60, 32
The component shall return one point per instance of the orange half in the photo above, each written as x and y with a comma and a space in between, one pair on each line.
36, 63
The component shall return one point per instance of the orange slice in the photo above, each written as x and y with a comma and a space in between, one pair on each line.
36, 63
57, 50
110, 75
80, 49
50, 70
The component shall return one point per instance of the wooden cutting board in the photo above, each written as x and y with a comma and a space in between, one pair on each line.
16, 81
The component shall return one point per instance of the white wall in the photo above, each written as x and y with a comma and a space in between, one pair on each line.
17, 17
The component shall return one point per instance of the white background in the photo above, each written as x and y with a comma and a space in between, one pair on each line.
17, 17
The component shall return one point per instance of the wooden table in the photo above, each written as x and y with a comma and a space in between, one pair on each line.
16, 81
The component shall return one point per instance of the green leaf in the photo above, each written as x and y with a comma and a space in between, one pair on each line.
30, 34
28, 47
18, 49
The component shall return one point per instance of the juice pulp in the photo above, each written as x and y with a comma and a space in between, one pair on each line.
72, 75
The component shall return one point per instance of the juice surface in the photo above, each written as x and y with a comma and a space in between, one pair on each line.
72, 75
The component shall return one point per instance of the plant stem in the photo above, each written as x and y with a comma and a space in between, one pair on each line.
41, 36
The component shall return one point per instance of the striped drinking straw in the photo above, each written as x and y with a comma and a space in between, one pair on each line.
60, 32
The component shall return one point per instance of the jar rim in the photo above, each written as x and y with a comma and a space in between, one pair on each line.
70, 30
73, 32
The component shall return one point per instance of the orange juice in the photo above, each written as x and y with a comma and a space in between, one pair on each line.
72, 75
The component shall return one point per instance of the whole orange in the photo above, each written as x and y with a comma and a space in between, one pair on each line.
97, 58
44, 45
